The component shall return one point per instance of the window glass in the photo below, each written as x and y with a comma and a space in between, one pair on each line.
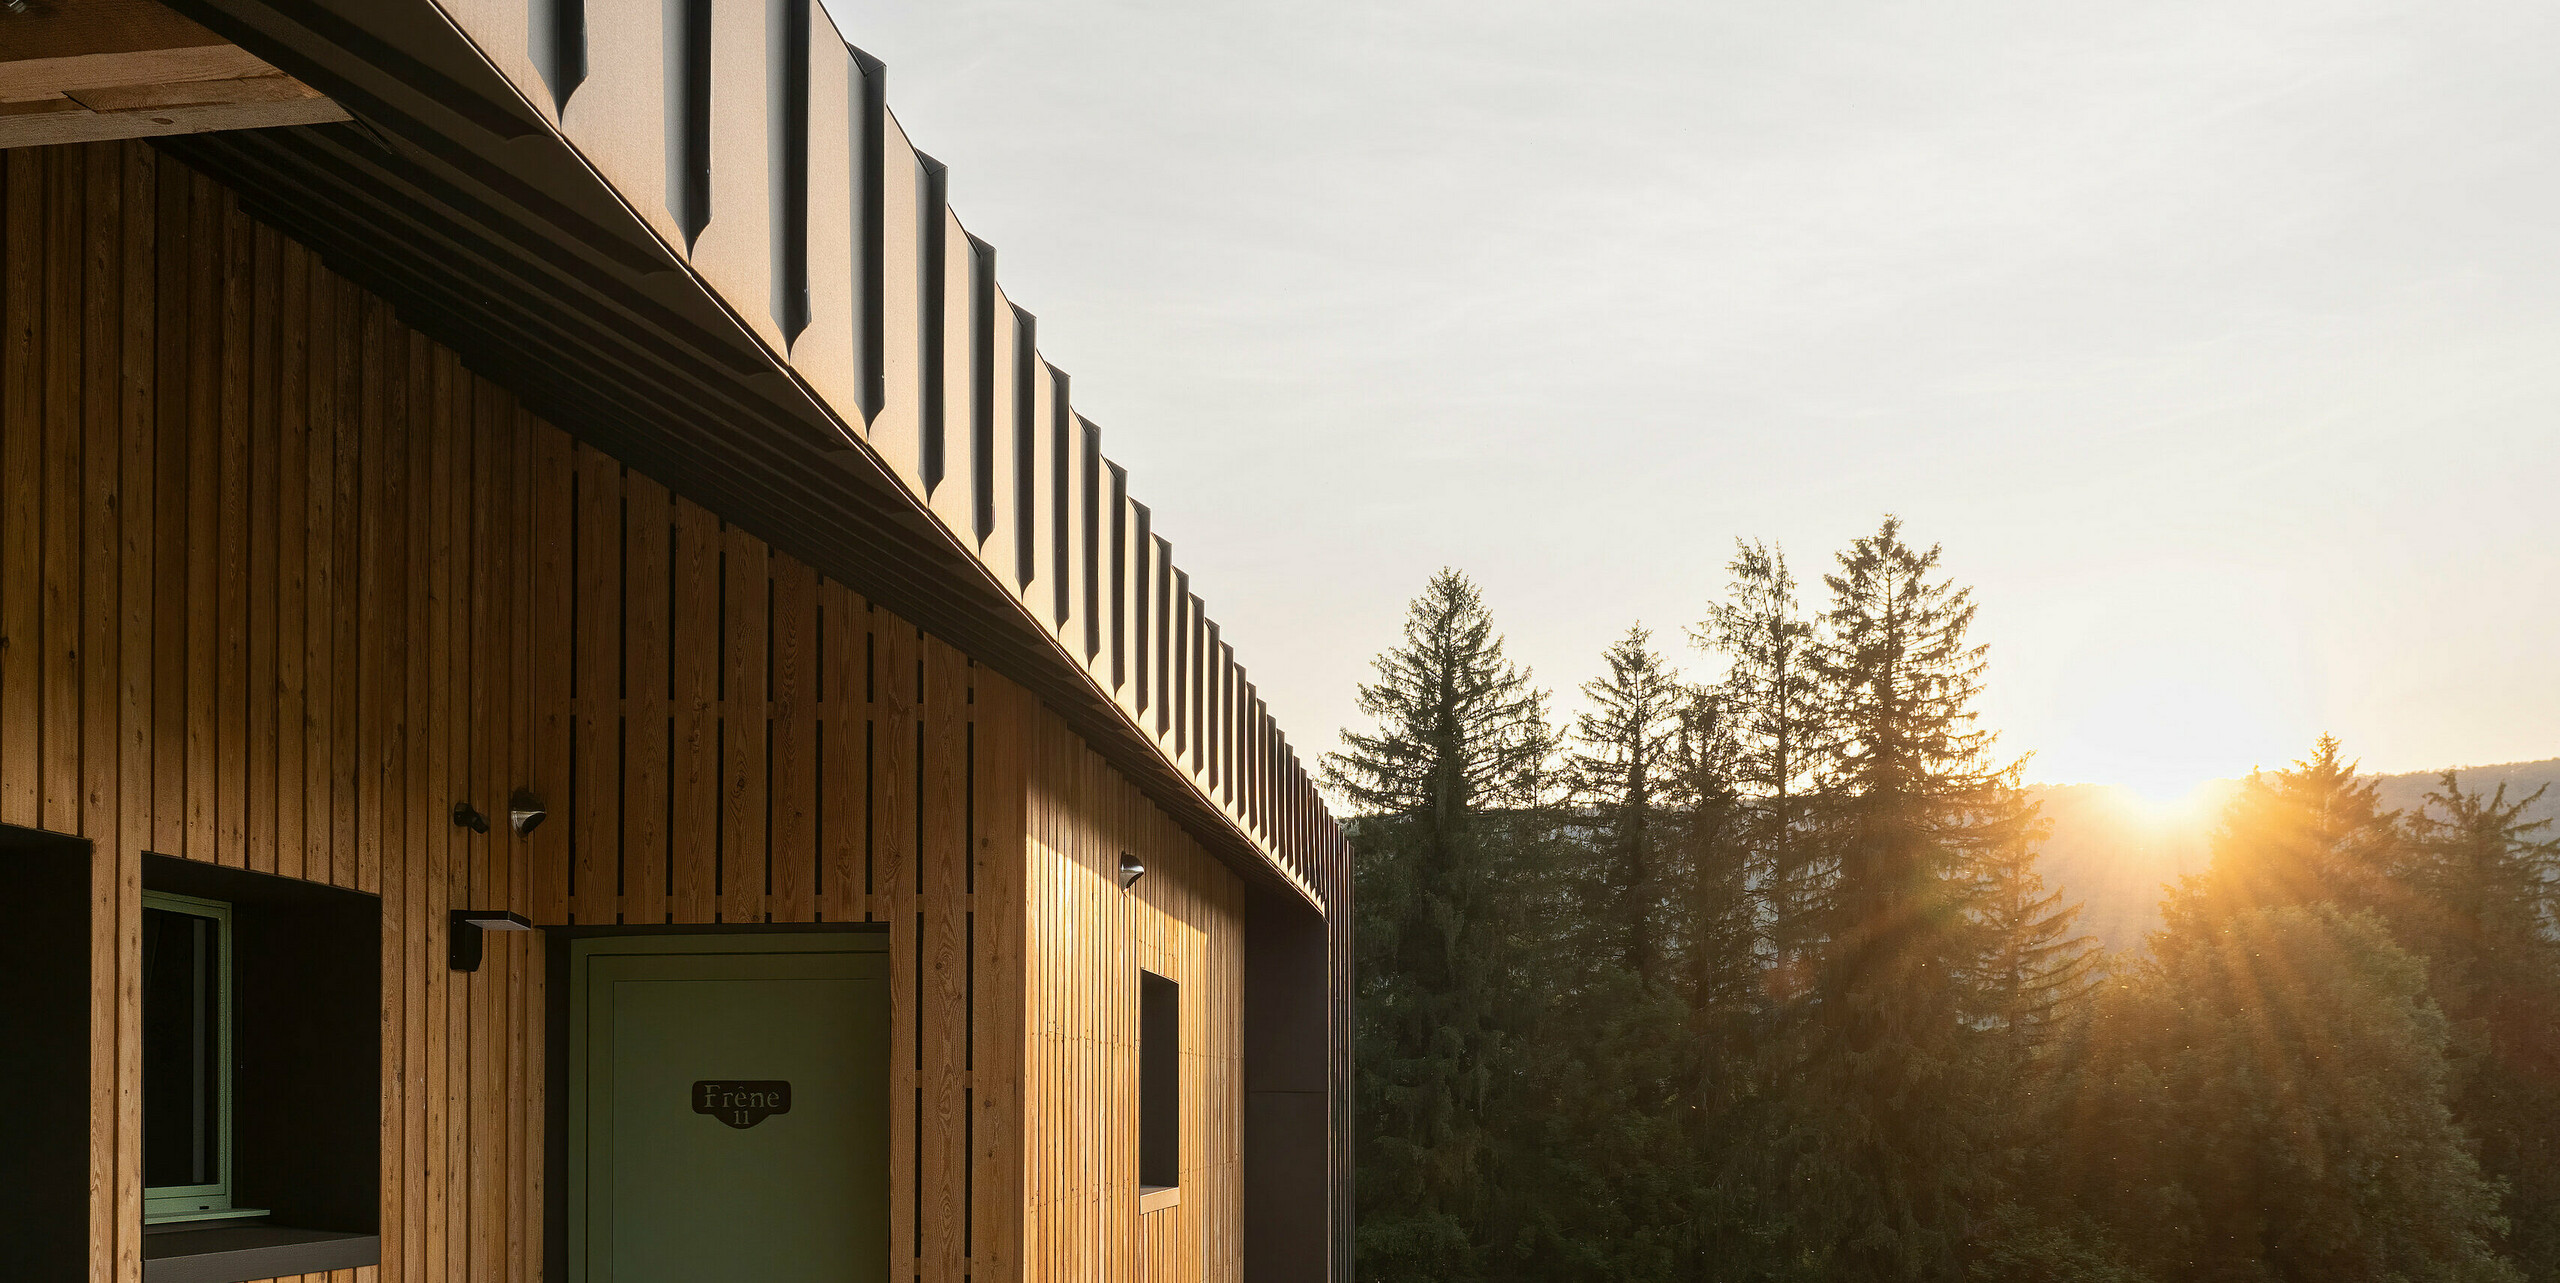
1159, 1081
186, 1056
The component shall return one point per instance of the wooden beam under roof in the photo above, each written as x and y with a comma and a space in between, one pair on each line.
93, 70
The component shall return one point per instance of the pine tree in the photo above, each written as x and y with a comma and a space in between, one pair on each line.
1770, 703
2035, 968
2486, 882
2032, 989
2482, 908
1460, 745
1909, 802
1621, 778
1736, 1200
2307, 834
1721, 937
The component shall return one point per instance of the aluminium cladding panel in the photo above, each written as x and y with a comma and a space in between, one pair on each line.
828, 352
1162, 612
1114, 578
897, 431
514, 35
1087, 470
956, 275
734, 249
1077, 630
1047, 593
1007, 335
1130, 557
618, 116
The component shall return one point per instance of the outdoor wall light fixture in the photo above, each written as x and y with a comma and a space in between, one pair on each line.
1131, 869
467, 816
524, 812
464, 929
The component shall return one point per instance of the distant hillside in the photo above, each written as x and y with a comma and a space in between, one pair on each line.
2113, 852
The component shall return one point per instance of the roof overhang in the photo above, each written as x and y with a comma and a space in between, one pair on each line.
848, 385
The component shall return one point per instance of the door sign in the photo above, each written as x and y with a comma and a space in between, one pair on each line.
742, 1104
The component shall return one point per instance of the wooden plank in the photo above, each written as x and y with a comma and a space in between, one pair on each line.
464, 992
746, 600
946, 861
94, 438
493, 1032
368, 645
553, 520
288, 104
433, 694
648, 536
292, 556
319, 573
168, 314
204, 478
231, 767
258, 813
365, 648
793, 769
694, 842
403, 864
101, 448
352, 440
59, 600
139, 430
844, 776
525, 1132
894, 794
997, 1012
480, 1179
21, 479
595, 884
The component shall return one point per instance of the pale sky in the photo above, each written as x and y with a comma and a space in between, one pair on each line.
2218, 344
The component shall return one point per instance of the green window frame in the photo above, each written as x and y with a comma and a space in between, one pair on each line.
207, 1051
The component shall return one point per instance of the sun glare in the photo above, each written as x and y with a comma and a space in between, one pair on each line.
2164, 740
2171, 806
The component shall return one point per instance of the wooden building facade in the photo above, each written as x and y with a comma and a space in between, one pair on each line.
336, 537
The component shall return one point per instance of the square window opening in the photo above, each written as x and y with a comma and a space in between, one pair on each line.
1159, 1082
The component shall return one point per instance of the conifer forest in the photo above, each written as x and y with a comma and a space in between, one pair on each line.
1753, 976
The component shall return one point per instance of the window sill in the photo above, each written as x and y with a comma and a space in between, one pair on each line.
239, 1253
1156, 1198
153, 1224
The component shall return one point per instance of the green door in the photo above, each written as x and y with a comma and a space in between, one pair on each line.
729, 1109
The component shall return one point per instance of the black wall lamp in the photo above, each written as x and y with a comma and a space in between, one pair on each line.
467, 816
1131, 869
524, 812
464, 929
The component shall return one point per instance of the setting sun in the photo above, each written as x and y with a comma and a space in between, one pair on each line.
2179, 808
2191, 684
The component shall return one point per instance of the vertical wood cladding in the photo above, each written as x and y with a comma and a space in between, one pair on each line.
1088, 939
281, 582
